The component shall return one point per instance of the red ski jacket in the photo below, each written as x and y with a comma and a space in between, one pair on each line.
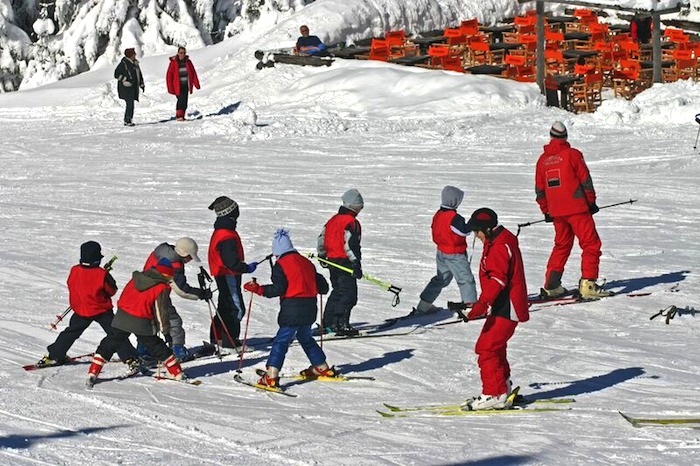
172, 77
502, 277
448, 242
216, 264
334, 240
90, 290
563, 184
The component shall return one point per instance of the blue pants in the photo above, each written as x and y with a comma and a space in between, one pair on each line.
284, 338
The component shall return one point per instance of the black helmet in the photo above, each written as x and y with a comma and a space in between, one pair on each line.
483, 219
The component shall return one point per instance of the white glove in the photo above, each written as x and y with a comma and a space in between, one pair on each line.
126, 83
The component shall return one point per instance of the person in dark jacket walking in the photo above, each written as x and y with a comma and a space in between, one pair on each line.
449, 231
297, 283
90, 291
144, 310
503, 301
181, 78
339, 242
226, 265
129, 81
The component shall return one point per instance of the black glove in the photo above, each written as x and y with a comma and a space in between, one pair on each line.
593, 208
143, 88
205, 295
548, 218
357, 270
168, 339
323, 262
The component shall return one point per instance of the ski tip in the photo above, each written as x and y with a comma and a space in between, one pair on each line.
383, 414
391, 407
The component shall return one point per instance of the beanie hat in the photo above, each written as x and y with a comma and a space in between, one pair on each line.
483, 219
352, 199
90, 253
187, 247
165, 267
558, 130
224, 207
451, 197
281, 242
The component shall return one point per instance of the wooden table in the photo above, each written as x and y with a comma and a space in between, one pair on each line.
580, 53
349, 52
497, 31
504, 46
486, 69
563, 83
410, 60
577, 35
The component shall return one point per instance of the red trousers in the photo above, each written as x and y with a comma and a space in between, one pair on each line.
566, 228
491, 351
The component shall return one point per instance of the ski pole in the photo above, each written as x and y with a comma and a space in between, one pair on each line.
204, 277
697, 120
322, 328
59, 318
245, 334
218, 315
395, 290
522, 225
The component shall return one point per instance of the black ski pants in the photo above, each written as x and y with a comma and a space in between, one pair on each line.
76, 326
116, 338
341, 300
231, 309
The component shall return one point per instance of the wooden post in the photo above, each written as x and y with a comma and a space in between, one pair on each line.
540, 45
656, 43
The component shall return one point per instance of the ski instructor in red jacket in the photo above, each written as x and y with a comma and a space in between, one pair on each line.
181, 78
503, 301
566, 197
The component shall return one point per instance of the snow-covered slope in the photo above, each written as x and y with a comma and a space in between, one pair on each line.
71, 173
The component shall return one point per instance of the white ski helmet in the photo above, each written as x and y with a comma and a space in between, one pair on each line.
187, 247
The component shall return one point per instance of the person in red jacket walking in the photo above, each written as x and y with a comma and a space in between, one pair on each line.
181, 78
227, 265
339, 242
566, 197
503, 301
90, 291
297, 283
144, 310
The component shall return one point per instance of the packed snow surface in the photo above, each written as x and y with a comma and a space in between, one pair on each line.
285, 143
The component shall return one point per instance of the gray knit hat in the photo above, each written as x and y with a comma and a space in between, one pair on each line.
558, 130
224, 207
352, 199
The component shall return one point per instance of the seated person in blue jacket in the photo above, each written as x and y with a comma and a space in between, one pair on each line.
309, 45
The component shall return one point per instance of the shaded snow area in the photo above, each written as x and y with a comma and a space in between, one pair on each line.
285, 143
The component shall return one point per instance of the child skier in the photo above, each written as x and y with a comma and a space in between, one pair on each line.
144, 310
90, 291
296, 282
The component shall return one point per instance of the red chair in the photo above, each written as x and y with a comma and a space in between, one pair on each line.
379, 50
469, 27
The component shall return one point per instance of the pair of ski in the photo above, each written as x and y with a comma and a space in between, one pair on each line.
519, 405
90, 383
281, 390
